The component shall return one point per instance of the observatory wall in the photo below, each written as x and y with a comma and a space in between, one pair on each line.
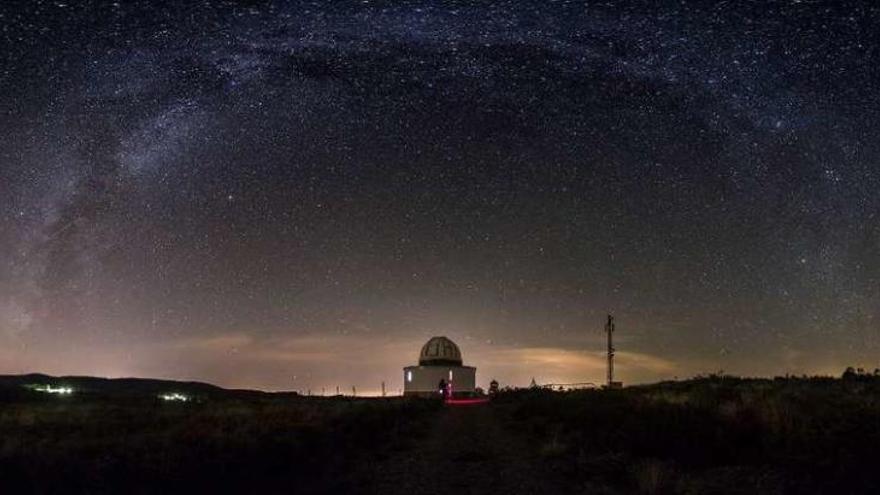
424, 380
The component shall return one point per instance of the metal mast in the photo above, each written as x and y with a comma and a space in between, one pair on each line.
609, 329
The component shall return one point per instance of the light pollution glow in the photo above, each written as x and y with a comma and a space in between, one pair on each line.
319, 364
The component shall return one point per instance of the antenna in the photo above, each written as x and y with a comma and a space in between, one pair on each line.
609, 329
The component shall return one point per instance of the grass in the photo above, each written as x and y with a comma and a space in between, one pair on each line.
707, 435
93, 445
710, 435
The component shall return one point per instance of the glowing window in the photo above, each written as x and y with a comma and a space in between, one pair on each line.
450, 375
409, 376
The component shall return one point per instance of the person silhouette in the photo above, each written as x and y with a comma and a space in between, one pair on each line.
493, 387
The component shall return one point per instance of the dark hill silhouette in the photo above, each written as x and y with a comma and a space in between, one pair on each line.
715, 434
126, 387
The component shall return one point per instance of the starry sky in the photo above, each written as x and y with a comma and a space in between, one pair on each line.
297, 195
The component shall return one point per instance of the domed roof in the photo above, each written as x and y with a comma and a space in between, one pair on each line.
440, 351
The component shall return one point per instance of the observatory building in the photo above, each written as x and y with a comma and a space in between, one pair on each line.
440, 359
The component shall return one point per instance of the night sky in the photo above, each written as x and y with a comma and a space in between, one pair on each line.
286, 195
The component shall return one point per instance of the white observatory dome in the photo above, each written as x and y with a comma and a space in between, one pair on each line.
440, 351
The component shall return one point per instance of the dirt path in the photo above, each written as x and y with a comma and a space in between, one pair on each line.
466, 452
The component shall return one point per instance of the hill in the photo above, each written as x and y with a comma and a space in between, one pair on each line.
89, 386
708, 435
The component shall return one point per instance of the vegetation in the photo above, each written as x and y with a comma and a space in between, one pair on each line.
714, 434
251, 443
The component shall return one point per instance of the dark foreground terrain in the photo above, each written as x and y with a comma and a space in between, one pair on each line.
711, 435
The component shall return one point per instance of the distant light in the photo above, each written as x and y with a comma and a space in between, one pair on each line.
409, 376
49, 389
174, 397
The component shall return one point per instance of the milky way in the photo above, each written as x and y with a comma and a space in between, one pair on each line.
297, 195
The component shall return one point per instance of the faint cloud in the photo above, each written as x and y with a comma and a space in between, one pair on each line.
559, 365
296, 362
367, 360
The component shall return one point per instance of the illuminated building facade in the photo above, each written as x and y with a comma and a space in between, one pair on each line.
440, 359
